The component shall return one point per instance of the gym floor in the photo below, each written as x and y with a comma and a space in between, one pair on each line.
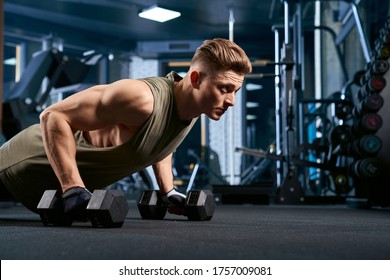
309, 232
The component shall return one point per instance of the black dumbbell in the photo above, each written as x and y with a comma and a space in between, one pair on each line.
359, 78
373, 85
51, 211
368, 145
340, 135
379, 67
343, 109
150, 205
199, 205
368, 123
384, 35
341, 183
107, 208
366, 168
369, 104
382, 51
376, 67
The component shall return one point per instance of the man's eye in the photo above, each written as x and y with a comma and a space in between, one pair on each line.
225, 89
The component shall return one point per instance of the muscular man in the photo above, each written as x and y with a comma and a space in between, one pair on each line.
107, 132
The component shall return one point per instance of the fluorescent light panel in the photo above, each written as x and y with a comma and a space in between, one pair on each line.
251, 117
251, 86
252, 104
158, 14
10, 61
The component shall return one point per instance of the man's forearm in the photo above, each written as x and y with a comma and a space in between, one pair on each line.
164, 175
60, 149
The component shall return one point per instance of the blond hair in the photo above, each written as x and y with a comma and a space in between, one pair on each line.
221, 55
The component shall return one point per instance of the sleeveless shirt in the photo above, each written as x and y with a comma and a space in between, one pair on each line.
26, 172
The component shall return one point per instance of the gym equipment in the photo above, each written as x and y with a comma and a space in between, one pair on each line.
370, 104
255, 170
372, 86
377, 67
384, 36
107, 208
383, 51
358, 79
366, 168
26, 100
50, 209
198, 165
150, 205
368, 123
368, 145
296, 115
341, 183
301, 105
295, 157
199, 205
340, 135
375, 84
344, 109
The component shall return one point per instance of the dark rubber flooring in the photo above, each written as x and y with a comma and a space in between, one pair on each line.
235, 232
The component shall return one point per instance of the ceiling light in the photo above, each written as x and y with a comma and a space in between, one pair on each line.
87, 53
252, 104
251, 117
158, 14
251, 86
10, 61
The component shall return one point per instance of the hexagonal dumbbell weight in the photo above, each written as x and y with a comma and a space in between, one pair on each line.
51, 211
150, 205
199, 205
107, 208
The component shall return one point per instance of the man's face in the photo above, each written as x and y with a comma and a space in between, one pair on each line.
218, 92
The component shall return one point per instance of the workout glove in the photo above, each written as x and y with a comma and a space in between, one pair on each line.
175, 201
75, 203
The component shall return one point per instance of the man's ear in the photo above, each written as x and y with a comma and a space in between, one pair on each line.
195, 79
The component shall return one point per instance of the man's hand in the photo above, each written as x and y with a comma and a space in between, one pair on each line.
75, 201
175, 202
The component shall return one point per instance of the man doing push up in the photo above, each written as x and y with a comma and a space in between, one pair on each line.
107, 132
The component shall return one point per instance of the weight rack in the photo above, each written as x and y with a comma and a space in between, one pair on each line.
336, 146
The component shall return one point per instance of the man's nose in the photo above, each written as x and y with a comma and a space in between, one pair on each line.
230, 99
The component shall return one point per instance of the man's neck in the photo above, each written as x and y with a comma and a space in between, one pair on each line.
185, 102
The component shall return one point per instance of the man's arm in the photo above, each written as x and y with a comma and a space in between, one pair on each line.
174, 199
164, 174
60, 147
128, 103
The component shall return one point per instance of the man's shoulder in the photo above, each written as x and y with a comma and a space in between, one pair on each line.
159, 84
156, 79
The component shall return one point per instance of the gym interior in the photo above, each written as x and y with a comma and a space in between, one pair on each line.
297, 169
